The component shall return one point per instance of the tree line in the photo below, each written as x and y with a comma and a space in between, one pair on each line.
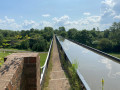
33, 39
39, 40
107, 40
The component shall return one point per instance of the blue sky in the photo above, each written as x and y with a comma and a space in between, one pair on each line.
80, 14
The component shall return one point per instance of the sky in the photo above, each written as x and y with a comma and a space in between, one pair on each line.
79, 14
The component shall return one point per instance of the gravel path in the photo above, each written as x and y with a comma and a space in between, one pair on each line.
58, 80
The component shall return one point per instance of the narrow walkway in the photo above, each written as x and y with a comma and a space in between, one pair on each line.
58, 80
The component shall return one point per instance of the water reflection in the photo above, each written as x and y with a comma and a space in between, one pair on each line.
61, 39
93, 67
113, 73
85, 51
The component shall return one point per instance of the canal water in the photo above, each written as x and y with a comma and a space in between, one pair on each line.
93, 67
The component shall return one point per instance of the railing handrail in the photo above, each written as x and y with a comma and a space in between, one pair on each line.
46, 61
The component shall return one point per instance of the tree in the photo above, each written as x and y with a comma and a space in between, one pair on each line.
18, 36
106, 33
48, 33
40, 45
48, 29
93, 33
84, 37
63, 34
27, 37
25, 44
71, 33
1, 39
32, 30
61, 29
56, 31
105, 45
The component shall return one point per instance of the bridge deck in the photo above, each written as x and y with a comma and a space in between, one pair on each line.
58, 80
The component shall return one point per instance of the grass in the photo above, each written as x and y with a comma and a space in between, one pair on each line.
42, 58
47, 76
14, 49
115, 54
2, 55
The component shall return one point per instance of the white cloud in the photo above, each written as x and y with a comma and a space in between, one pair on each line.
9, 20
83, 23
110, 11
46, 15
60, 21
45, 24
87, 22
8, 23
27, 24
86, 13
63, 18
109, 3
117, 17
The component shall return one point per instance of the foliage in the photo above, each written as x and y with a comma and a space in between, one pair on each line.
33, 39
71, 33
61, 29
40, 45
107, 40
18, 36
84, 37
105, 45
24, 44
1, 38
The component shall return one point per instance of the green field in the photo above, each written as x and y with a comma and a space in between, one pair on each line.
115, 54
2, 55
42, 58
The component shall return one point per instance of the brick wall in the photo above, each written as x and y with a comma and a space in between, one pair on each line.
21, 71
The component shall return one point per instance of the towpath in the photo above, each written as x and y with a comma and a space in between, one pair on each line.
58, 80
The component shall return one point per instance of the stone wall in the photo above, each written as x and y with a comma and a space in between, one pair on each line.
21, 71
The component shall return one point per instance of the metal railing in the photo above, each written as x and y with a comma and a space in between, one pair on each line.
44, 67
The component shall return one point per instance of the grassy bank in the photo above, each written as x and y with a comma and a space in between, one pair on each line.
2, 55
42, 58
14, 49
47, 76
115, 54
6, 53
